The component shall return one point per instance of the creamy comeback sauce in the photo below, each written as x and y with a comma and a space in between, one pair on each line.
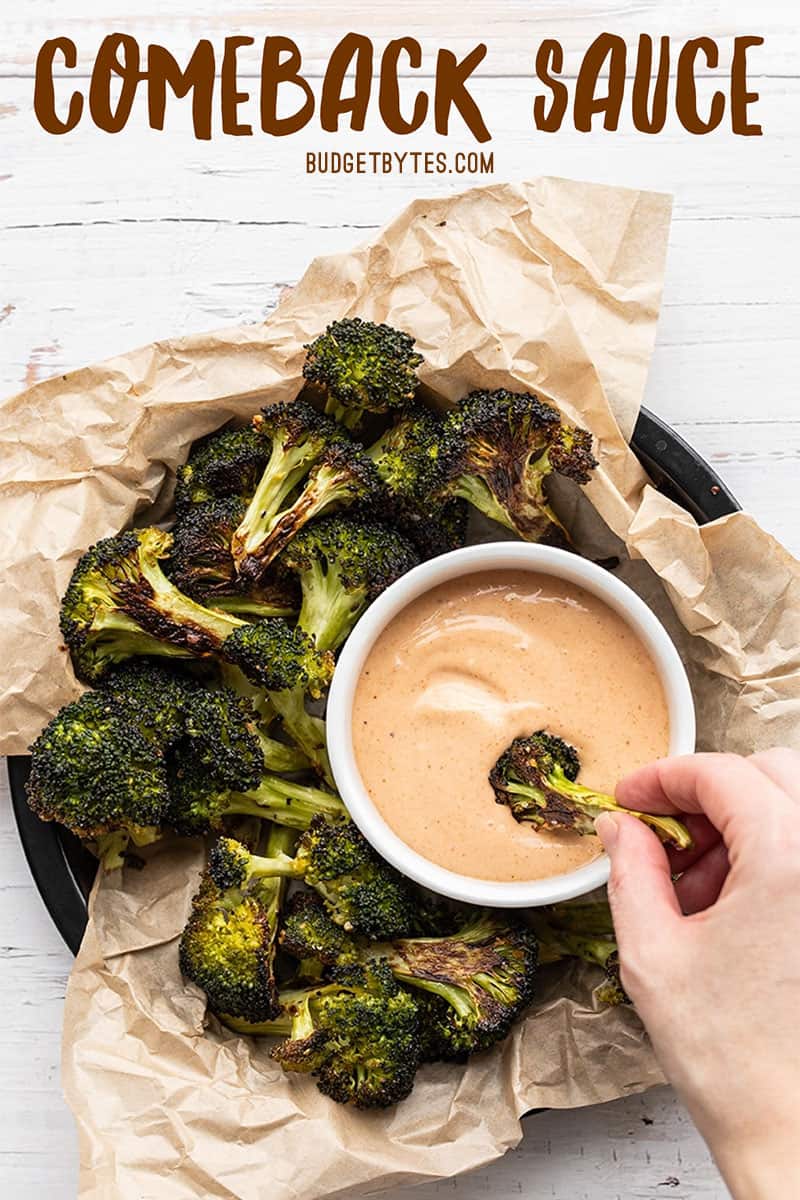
472, 664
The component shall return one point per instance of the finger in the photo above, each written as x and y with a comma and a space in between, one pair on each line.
782, 766
700, 887
640, 889
730, 790
704, 836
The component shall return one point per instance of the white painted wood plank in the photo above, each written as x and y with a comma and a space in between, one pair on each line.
511, 31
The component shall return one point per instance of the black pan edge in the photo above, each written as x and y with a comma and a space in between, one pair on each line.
63, 870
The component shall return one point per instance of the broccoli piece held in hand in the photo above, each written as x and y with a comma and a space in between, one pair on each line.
221, 466
498, 448
358, 1037
362, 368
98, 774
360, 891
343, 564
484, 973
228, 945
536, 777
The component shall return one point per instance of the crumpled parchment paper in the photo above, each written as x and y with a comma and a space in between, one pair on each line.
554, 286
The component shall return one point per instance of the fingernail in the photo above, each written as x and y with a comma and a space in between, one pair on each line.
607, 829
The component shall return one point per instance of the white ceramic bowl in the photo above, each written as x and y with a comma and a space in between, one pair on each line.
495, 556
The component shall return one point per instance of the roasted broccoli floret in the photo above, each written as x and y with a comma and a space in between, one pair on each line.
201, 564
342, 476
294, 436
536, 777
228, 945
119, 603
94, 771
407, 458
309, 934
498, 448
343, 563
278, 656
484, 973
362, 368
153, 697
221, 466
199, 802
585, 930
358, 1037
360, 891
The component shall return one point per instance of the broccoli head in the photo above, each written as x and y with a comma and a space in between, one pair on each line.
360, 891
408, 459
221, 466
228, 945
343, 564
359, 1037
199, 802
309, 934
362, 368
484, 972
279, 657
343, 475
201, 563
222, 739
97, 773
153, 697
497, 450
536, 777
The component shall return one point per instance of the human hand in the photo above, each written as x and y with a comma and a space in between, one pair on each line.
712, 961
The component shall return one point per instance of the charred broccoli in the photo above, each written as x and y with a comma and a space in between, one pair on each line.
343, 564
119, 603
95, 771
536, 777
584, 930
310, 935
407, 458
201, 564
199, 801
362, 368
342, 476
484, 973
228, 945
358, 1036
294, 436
498, 448
153, 697
221, 466
360, 891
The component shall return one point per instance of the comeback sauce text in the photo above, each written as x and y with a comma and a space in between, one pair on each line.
470, 665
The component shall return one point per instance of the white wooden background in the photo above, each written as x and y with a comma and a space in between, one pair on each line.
113, 241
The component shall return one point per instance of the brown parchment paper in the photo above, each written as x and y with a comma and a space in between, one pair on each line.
552, 285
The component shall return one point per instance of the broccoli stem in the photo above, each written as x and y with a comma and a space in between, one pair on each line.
287, 803
307, 731
294, 1019
328, 611
280, 757
250, 607
111, 849
285, 471
667, 828
174, 605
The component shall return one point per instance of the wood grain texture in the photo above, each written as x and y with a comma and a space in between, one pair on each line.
108, 242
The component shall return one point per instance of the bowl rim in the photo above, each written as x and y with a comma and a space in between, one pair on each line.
470, 560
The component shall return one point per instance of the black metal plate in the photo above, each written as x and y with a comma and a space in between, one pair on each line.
64, 871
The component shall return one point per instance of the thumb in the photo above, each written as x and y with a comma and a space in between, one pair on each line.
640, 889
